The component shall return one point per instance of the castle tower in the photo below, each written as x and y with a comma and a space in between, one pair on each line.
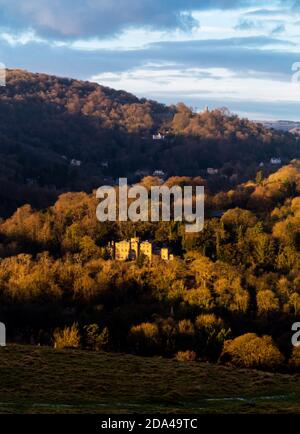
122, 250
164, 254
146, 249
134, 248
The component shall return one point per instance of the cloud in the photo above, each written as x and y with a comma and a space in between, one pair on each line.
280, 28
86, 18
236, 54
248, 25
219, 52
248, 92
265, 12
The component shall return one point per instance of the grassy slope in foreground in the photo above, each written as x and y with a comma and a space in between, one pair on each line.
44, 380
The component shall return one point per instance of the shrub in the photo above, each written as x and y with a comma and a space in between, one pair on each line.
186, 327
186, 356
267, 302
237, 217
252, 351
294, 303
200, 297
230, 295
186, 337
294, 361
209, 322
144, 337
94, 339
68, 337
168, 333
211, 334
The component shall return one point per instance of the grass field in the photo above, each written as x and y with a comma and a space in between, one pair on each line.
44, 380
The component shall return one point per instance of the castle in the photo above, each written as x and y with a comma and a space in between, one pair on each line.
134, 248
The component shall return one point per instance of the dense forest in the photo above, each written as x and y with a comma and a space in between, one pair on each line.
46, 122
231, 294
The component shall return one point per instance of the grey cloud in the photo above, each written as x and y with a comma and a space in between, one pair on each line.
84, 18
228, 43
238, 54
248, 25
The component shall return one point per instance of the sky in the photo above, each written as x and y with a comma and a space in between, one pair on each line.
240, 54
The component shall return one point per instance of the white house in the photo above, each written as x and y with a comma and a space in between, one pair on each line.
275, 161
159, 173
76, 163
212, 171
158, 136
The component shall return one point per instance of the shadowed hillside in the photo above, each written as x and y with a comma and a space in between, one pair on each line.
46, 122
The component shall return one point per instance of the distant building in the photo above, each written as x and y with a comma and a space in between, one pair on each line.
164, 253
158, 136
134, 248
159, 173
146, 249
122, 250
131, 250
212, 171
111, 249
76, 163
275, 161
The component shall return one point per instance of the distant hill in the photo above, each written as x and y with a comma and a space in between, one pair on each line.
295, 131
290, 126
59, 134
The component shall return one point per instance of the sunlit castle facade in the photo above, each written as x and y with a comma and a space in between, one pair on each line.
130, 250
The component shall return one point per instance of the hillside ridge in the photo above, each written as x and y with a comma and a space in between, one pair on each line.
59, 134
